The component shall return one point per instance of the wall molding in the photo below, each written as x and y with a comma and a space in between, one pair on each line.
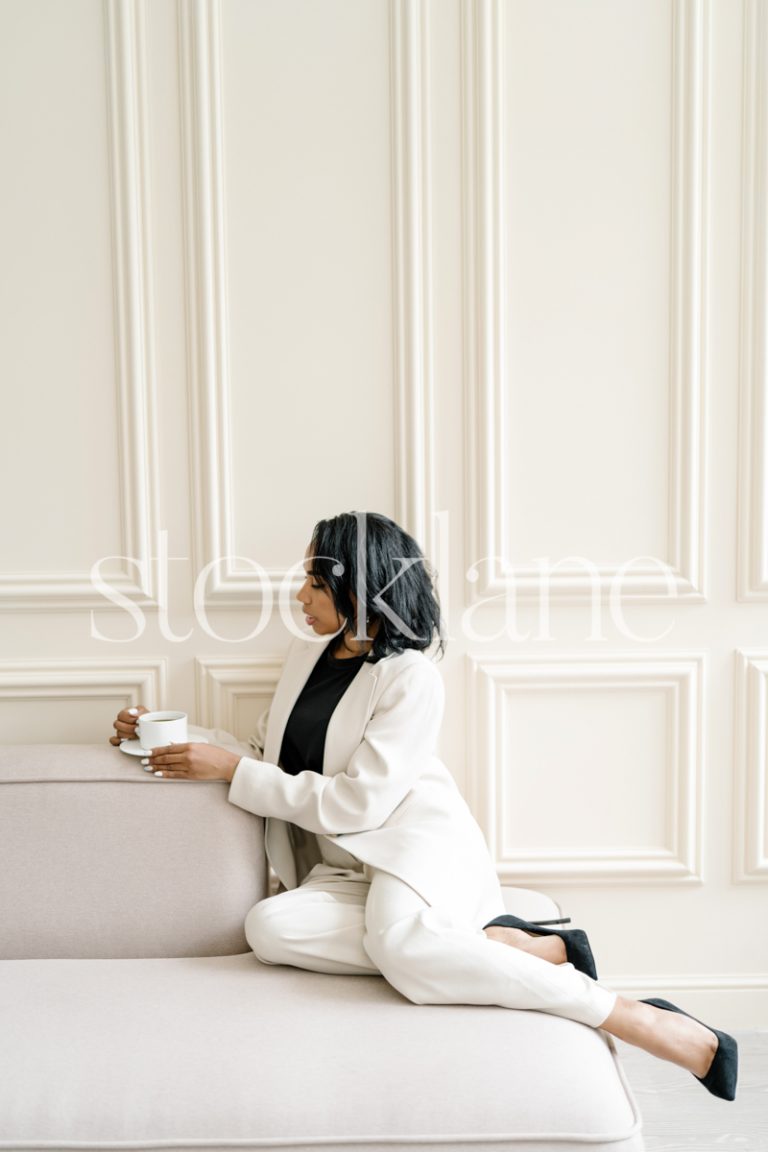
221, 683
412, 259
750, 836
487, 367
680, 676
135, 377
141, 681
741, 997
699, 982
205, 264
753, 407
207, 314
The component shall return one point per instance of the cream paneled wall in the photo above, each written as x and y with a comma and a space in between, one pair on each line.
75, 300
495, 267
631, 727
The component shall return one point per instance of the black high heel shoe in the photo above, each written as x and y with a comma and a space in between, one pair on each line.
724, 1069
577, 947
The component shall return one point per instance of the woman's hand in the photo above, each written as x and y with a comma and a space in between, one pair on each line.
193, 762
125, 725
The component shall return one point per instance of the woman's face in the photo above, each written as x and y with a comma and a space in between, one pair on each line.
317, 602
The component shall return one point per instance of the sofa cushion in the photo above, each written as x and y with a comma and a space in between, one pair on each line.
225, 1051
101, 859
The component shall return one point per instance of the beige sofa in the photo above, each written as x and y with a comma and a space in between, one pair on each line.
133, 1015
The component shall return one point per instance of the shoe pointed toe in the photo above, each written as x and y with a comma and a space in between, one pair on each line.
723, 1074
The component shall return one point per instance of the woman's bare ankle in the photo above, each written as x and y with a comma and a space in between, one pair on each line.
668, 1035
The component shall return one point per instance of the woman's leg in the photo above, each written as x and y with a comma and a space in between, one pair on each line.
668, 1035
433, 956
318, 926
337, 923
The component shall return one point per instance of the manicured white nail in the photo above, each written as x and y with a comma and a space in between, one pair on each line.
145, 761
158, 773
133, 711
147, 767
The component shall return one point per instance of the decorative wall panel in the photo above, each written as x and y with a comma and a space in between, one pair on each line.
751, 753
488, 196
222, 441
753, 432
232, 694
130, 573
66, 701
593, 765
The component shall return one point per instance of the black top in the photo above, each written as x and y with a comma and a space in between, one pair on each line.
304, 737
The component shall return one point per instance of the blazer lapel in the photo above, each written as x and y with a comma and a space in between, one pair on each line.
346, 727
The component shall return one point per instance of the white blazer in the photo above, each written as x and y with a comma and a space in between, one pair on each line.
383, 796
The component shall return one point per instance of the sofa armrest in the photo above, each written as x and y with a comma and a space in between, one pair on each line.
100, 859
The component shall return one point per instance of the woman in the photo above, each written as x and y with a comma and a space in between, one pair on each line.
383, 867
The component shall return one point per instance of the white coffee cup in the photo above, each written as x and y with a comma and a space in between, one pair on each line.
156, 729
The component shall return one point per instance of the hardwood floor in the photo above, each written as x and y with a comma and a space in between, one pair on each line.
679, 1115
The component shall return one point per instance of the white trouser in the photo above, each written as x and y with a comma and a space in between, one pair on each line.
363, 923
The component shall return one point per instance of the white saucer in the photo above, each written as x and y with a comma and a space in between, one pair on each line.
133, 748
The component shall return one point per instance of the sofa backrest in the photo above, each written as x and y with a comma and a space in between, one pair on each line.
99, 859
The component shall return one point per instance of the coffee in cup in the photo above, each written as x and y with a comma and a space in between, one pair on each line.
157, 729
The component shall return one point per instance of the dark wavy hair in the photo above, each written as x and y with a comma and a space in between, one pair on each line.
367, 556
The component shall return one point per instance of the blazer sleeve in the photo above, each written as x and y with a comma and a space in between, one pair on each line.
397, 746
